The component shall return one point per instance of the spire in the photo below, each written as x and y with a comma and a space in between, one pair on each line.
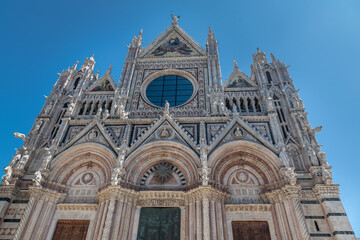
89, 62
109, 70
211, 43
235, 64
259, 56
75, 65
273, 59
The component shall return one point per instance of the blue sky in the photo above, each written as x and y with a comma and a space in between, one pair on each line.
318, 39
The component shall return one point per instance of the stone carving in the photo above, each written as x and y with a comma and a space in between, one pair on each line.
167, 107
20, 135
296, 101
204, 162
322, 157
48, 108
70, 108
46, 158
115, 179
326, 175
106, 114
122, 113
87, 178
22, 162
312, 155
93, 135
175, 18
38, 178
290, 175
37, 126
16, 158
163, 172
165, 133
237, 133
8, 175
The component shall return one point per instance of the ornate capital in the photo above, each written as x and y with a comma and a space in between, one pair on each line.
117, 193
46, 194
326, 191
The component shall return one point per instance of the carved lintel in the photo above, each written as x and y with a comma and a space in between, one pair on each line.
76, 207
248, 207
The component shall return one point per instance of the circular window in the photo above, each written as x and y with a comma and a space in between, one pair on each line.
175, 89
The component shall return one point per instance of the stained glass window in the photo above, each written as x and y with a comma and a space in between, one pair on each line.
172, 88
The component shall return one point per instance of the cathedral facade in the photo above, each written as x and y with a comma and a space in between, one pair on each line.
172, 152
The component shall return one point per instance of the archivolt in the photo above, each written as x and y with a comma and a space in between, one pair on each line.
145, 157
261, 159
92, 155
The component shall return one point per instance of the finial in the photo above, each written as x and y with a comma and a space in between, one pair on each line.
140, 33
175, 18
97, 74
258, 50
75, 65
210, 30
272, 57
92, 57
235, 64
109, 70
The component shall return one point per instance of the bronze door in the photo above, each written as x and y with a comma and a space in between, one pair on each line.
71, 230
247, 230
159, 224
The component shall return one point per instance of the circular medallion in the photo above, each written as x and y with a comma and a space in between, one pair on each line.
87, 178
242, 177
92, 135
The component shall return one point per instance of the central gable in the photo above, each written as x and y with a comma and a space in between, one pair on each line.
173, 42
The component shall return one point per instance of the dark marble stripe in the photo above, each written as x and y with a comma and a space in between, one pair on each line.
309, 202
330, 199
343, 233
314, 217
320, 235
20, 201
11, 220
5, 199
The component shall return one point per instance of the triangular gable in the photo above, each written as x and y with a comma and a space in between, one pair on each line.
104, 84
237, 129
173, 42
94, 132
238, 81
164, 129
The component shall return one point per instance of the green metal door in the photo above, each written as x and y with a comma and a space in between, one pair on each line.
159, 224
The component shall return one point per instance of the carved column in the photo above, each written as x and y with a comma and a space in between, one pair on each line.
208, 209
337, 219
38, 214
116, 211
7, 193
289, 216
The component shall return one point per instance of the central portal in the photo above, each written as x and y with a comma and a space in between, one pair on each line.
159, 224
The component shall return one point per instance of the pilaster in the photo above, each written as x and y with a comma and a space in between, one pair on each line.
329, 198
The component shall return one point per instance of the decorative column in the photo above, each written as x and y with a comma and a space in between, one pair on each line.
115, 213
287, 209
207, 225
39, 212
336, 217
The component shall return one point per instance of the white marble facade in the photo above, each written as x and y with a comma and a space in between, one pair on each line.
238, 150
